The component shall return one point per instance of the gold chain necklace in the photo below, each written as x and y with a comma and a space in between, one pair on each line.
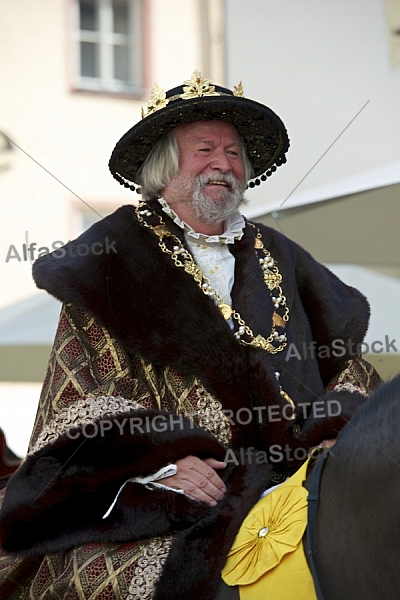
272, 278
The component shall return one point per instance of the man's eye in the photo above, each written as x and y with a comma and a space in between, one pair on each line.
204, 149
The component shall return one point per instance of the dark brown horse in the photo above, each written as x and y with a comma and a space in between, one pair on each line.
357, 530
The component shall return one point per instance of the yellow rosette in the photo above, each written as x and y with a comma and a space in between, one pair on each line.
267, 559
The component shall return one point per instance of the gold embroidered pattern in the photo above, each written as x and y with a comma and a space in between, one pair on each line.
209, 416
85, 362
149, 568
89, 571
83, 411
349, 387
357, 376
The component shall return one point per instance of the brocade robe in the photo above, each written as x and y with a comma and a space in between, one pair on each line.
145, 371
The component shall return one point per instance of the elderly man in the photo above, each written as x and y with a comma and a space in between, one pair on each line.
171, 401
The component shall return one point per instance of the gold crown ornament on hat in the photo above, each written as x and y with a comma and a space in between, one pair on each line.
195, 87
198, 99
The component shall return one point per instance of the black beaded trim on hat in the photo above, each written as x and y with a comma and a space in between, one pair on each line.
257, 180
126, 183
252, 183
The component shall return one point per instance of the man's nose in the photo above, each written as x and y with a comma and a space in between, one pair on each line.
220, 162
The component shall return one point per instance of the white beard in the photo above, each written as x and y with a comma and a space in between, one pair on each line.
184, 189
216, 211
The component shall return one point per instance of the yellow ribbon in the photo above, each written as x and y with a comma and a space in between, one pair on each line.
267, 559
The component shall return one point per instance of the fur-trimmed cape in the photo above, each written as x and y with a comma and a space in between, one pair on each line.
155, 311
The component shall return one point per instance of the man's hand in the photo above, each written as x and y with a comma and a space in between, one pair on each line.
327, 443
198, 479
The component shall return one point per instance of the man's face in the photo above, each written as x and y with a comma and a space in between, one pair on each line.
210, 181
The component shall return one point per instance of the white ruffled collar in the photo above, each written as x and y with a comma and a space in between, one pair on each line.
234, 227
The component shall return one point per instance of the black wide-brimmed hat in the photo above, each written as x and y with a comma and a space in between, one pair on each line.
198, 99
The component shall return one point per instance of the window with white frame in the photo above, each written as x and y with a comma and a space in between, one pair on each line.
108, 35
